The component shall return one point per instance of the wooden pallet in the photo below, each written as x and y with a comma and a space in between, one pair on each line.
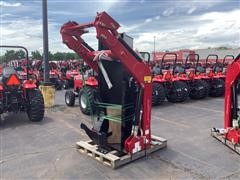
226, 142
111, 159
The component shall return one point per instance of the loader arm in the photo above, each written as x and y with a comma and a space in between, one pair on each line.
230, 104
107, 34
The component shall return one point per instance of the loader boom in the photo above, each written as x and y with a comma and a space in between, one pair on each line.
230, 134
107, 34
231, 104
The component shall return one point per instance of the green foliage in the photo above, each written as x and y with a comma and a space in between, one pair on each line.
69, 55
60, 56
50, 56
20, 54
12, 55
36, 55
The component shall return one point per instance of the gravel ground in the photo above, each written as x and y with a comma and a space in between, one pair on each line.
46, 150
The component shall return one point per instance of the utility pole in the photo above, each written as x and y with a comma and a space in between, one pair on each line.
45, 42
48, 91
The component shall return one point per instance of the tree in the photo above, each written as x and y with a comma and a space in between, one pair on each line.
70, 56
20, 54
76, 56
10, 55
58, 56
50, 56
2, 59
36, 55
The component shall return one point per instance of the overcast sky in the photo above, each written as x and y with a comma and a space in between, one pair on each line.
175, 24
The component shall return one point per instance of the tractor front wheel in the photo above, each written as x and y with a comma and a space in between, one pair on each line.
35, 109
69, 98
199, 89
178, 92
158, 94
87, 100
217, 88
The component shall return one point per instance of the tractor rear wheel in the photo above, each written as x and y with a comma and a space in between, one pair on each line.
199, 89
179, 92
158, 94
35, 109
87, 100
69, 98
217, 88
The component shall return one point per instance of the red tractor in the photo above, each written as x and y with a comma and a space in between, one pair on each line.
85, 88
69, 70
187, 72
55, 75
69, 78
219, 68
17, 95
165, 82
206, 73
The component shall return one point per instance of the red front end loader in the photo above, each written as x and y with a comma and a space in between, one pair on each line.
230, 135
122, 131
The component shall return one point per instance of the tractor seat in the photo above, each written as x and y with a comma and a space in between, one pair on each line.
7, 71
179, 70
156, 70
217, 68
200, 69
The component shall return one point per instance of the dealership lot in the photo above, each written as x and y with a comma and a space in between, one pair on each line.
47, 149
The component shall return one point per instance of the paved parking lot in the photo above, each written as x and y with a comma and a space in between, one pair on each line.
46, 150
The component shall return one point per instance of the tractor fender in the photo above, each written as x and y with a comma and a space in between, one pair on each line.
91, 81
29, 84
78, 84
158, 78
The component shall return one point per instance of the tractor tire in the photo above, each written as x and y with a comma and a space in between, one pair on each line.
158, 94
179, 92
87, 100
59, 85
69, 98
217, 88
199, 90
35, 110
65, 84
207, 86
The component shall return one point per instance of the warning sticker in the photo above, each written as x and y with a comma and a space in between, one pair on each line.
148, 79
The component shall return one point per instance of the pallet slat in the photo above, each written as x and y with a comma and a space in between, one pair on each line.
221, 138
112, 160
